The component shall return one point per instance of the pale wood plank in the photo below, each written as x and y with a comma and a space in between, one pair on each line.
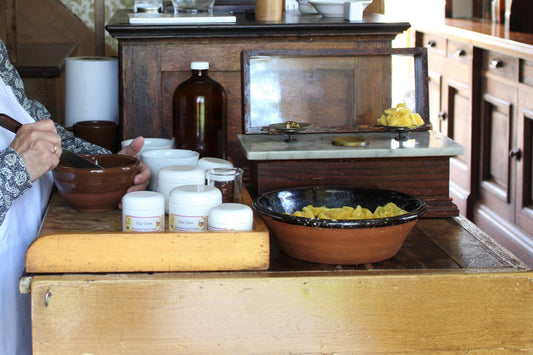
283, 313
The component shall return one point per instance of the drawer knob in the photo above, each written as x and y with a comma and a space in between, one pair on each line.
460, 52
495, 64
515, 153
431, 44
442, 116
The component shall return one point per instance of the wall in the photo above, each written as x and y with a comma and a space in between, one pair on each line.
84, 10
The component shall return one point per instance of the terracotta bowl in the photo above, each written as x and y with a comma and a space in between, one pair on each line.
96, 190
345, 242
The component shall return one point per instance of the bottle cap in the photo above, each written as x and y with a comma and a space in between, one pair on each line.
181, 174
195, 195
199, 65
210, 163
231, 216
143, 201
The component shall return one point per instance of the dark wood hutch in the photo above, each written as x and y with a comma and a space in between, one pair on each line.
155, 59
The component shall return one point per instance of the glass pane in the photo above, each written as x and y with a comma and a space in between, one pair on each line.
333, 93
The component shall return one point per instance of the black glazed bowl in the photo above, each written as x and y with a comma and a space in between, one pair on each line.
338, 241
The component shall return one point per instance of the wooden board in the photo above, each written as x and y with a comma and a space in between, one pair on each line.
283, 313
450, 289
73, 242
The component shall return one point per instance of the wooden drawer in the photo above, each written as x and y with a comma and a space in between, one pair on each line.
526, 72
500, 64
460, 51
434, 44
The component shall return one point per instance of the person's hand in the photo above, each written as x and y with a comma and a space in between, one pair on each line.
142, 179
39, 146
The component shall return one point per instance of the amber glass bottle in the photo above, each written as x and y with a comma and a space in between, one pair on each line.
199, 113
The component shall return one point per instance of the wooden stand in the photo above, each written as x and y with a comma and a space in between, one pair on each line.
449, 289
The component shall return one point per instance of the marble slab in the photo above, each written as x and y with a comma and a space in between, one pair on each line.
319, 146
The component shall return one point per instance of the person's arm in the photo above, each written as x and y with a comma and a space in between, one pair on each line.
14, 179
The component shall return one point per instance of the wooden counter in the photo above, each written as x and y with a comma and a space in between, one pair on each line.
450, 288
484, 34
481, 78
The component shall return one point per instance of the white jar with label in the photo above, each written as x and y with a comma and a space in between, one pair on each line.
189, 207
231, 216
173, 176
143, 211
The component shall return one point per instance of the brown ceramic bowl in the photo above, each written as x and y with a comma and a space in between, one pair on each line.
102, 133
93, 190
345, 242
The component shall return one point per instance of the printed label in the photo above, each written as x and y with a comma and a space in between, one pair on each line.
143, 224
187, 223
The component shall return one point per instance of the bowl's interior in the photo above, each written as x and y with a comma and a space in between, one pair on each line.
107, 161
280, 204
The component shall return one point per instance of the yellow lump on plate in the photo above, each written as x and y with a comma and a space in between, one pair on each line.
400, 116
347, 212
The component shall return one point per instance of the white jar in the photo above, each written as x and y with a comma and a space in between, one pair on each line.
189, 207
173, 176
210, 163
231, 216
143, 211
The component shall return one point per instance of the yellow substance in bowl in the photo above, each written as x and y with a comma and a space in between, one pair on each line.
400, 116
347, 212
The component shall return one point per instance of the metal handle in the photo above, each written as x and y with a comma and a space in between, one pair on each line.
9, 123
515, 153
442, 116
431, 44
460, 52
495, 63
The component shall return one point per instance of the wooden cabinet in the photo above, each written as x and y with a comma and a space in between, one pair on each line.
155, 59
504, 208
484, 101
450, 87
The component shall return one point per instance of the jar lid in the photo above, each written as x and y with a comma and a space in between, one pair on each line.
181, 173
194, 195
228, 214
223, 174
143, 200
209, 163
199, 65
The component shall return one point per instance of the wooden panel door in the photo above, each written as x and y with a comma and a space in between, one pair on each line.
497, 189
437, 116
458, 125
523, 155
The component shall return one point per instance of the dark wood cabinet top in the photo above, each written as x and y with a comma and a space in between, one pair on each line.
483, 34
292, 23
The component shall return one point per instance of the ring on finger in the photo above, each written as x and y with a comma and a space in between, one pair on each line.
55, 148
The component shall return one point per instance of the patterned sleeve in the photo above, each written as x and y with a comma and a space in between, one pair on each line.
14, 177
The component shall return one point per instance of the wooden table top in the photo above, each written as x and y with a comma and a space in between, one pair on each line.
443, 244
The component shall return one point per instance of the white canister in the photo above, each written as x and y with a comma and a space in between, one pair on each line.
173, 176
210, 163
143, 211
231, 216
189, 207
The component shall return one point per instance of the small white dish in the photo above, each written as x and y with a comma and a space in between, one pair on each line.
335, 8
151, 144
160, 158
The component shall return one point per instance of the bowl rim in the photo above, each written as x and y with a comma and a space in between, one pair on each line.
134, 164
341, 223
167, 153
